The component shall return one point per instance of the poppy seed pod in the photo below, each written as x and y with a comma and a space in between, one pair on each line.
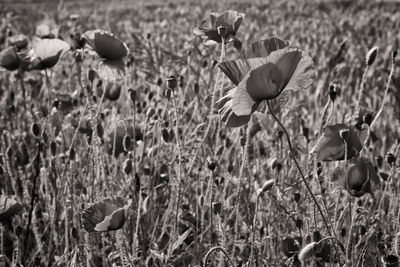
332, 93
371, 55
330, 146
35, 129
367, 118
360, 177
171, 82
127, 142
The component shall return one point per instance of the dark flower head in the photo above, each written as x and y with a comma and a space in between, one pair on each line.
9, 59
8, 207
111, 50
360, 177
229, 21
106, 215
263, 72
331, 146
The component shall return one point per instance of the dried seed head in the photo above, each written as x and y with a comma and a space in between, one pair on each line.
171, 82
371, 55
307, 252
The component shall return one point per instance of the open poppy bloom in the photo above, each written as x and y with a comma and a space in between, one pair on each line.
47, 52
229, 19
8, 208
106, 215
111, 50
264, 70
9, 59
331, 146
361, 177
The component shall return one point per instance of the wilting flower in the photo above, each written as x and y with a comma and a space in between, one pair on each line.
230, 20
47, 52
331, 146
106, 215
9, 59
264, 71
8, 207
111, 49
360, 177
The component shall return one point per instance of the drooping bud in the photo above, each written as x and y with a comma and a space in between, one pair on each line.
371, 55
266, 186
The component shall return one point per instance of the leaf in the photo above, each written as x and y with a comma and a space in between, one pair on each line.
181, 239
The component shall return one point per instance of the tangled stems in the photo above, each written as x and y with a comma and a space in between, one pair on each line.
212, 107
215, 249
299, 168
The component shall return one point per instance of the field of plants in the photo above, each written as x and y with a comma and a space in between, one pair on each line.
200, 133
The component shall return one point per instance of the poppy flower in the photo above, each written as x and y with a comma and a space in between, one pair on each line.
8, 207
265, 71
106, 215
111, 50
47, 52
229, 19
360, 177
331, 146
9, 59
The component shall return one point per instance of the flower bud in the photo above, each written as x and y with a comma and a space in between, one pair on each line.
128, 166
92, 75
127, 142
367, 118
266, 186
35, 129
371, 55
132, 94
165, 135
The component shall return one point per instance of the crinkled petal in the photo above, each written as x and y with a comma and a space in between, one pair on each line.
49, 51
235, 70
111, 69
263, 48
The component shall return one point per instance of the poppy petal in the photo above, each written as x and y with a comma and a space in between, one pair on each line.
111, 69
235, 70
263, 48
108, 46
297, 69
224, 105
263, 82
242, 103
49, 51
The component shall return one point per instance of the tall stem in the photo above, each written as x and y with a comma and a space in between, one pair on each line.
299, 168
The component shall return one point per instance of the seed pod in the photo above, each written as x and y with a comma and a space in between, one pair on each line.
390, 158
242, 141
217, 207
127, 143
159, 82
92, 75
171, 82
165, 135
296, 196
128, 166
100, 130
307, 252
196, 88
230, 168
53, 148
332, 93
132, 94
211, 164
371, 55
367, 118
72, 154
35, 129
